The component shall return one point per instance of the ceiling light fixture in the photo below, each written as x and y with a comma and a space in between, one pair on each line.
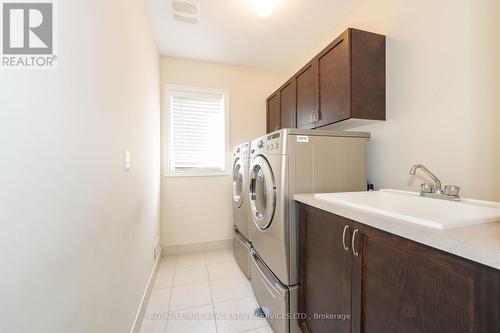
264, 8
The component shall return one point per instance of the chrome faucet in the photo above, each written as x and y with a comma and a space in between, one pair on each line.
437, 188
450, 192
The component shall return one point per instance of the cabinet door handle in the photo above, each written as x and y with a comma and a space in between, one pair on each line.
315, 116
354, 234
346, 228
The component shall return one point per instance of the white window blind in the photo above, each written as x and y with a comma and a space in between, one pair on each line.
197, 131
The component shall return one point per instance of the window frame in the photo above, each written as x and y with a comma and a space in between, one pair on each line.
167, 140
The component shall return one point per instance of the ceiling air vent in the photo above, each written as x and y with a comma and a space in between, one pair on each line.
186, 10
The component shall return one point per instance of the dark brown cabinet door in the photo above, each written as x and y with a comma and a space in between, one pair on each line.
388, 284
403, 286
334, 77
273, 113
367, 75
287, 105
346, 80
325, 272
307, 94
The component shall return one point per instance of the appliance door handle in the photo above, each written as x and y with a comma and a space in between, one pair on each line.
276, 286
346, 228
252, 189
354, 234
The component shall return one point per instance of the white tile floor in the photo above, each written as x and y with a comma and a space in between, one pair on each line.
202, 292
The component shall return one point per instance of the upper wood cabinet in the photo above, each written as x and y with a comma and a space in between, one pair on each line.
344, 81
273, 113
387, 283
307, 94
287, 105
334, 81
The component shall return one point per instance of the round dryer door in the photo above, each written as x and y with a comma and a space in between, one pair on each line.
238, 182
262, 193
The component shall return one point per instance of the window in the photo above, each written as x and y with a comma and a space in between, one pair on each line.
196, 131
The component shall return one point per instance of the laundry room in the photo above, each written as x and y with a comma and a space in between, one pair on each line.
249, 166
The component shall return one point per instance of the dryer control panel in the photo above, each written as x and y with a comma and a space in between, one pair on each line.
271, 144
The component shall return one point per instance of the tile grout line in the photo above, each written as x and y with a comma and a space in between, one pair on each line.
235, 299
265, 326
220, 302
210, 289
211, 296
265, 322
209, 279
170, 296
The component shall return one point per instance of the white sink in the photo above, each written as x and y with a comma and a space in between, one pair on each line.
411, 207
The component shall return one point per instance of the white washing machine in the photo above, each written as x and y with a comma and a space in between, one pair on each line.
284, 163
241, 235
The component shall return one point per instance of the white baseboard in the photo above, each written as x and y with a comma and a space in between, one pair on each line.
171, 250
136, 327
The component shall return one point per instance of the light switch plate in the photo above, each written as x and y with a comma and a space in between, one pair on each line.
127, 160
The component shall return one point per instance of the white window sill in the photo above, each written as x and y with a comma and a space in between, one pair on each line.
197, 174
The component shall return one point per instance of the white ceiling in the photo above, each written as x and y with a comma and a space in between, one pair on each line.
229, 31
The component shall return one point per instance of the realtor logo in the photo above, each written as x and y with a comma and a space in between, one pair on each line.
28, 34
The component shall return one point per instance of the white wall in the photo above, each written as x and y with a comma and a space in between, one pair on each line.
76, 230
443, 102
198, 209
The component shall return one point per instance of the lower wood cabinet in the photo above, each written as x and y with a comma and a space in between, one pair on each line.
325, 272
386, 283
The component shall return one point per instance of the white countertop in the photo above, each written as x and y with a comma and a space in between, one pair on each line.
479, 243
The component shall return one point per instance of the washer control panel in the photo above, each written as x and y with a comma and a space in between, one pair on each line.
242, 150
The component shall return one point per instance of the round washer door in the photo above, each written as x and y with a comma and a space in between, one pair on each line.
238, 182
262, 193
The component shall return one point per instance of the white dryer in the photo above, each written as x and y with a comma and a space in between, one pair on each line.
284, 163
241, 243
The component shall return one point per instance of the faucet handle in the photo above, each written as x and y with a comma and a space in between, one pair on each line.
453, 190
427, 188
